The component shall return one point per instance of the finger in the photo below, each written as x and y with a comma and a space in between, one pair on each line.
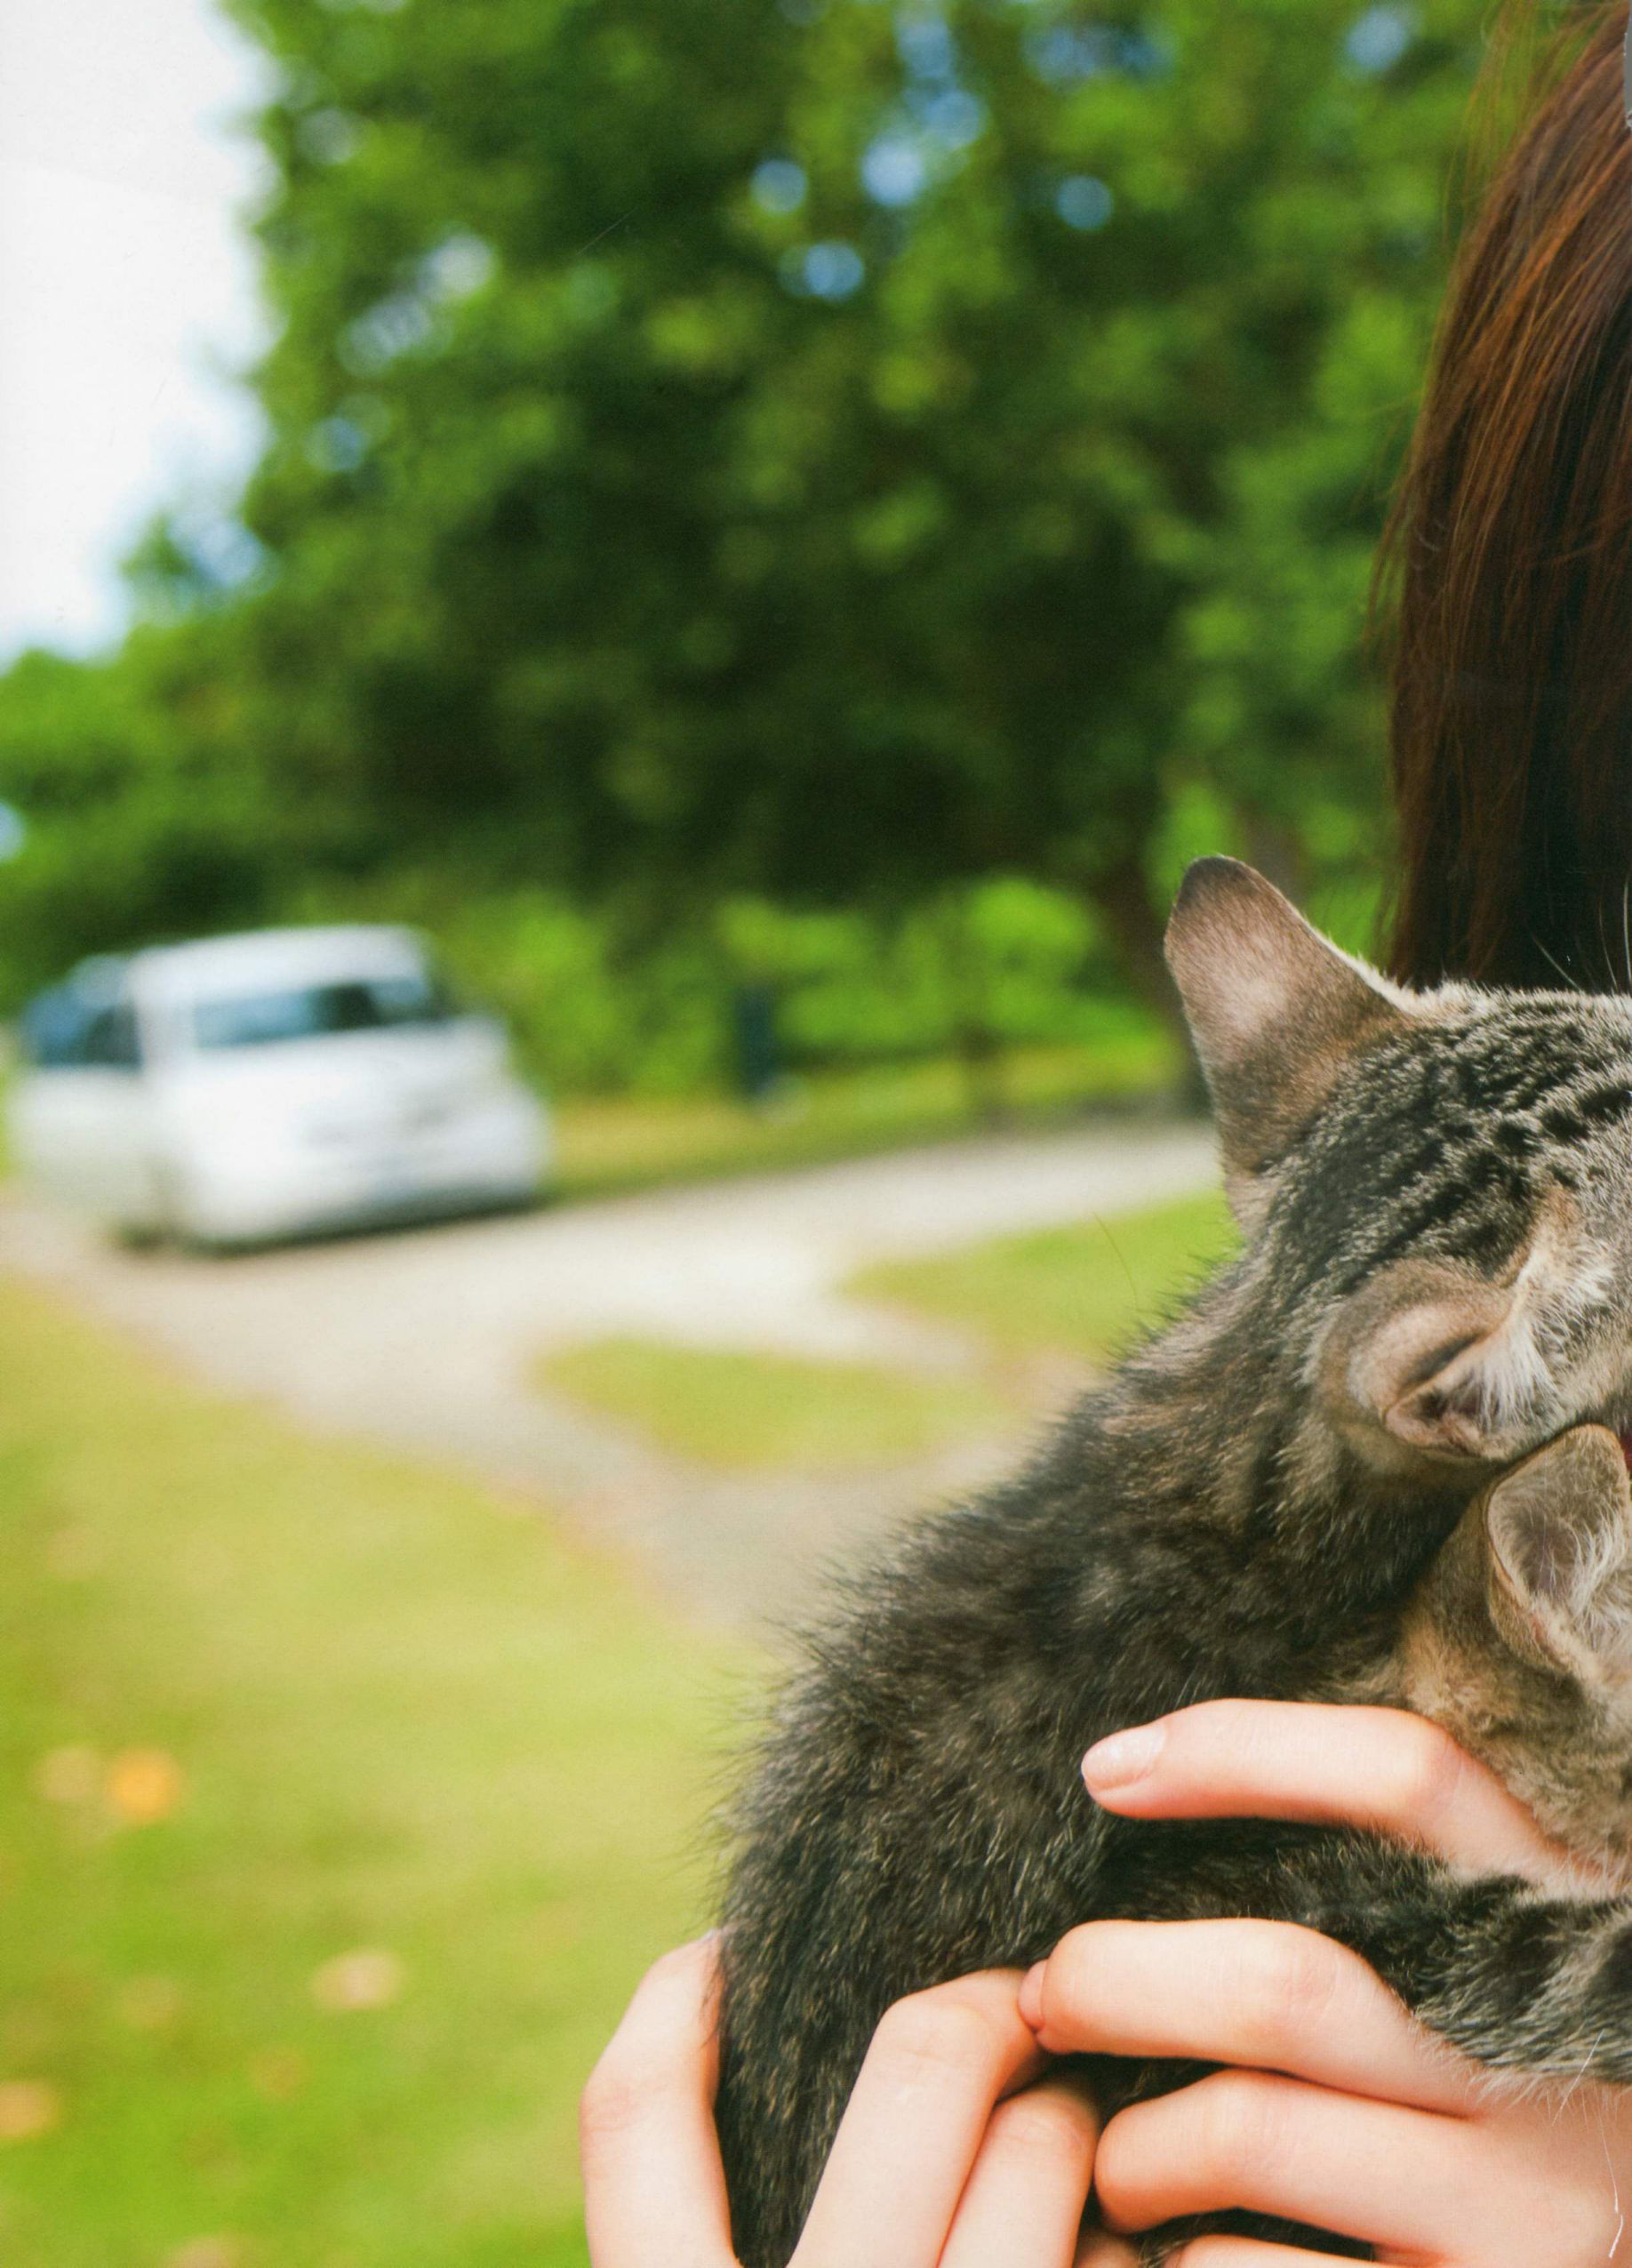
939, 2065
1246, 2141
1382, 1768
653, 2185
1022, 2206
1261, 1993
1245, 2252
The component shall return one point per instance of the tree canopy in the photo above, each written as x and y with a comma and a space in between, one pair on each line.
821, 447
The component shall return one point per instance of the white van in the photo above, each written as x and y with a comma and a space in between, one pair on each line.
243, 1089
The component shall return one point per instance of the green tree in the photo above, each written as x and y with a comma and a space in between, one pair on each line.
822, 449
840, 448
147, 814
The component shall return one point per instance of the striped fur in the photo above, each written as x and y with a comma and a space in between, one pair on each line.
1437, 1192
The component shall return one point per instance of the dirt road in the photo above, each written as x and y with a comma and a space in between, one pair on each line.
427, 1340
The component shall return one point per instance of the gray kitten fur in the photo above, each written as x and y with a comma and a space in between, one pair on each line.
1519, 1642
1436, 1190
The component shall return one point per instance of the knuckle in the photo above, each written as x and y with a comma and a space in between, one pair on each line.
1426, 1773
943, 2030
1069, 1972
611, 2105
1291, 1977
1238, 2124
1045, 2126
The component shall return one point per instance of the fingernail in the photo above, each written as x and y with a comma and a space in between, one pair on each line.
1031, 1996
1127, 1756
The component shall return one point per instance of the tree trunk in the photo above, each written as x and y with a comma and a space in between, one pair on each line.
980, 1056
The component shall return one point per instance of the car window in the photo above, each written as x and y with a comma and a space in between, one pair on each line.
318, 1011
63, 1030
110, 1042
52, 1028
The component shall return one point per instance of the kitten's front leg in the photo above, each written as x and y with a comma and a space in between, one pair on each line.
1515, 1977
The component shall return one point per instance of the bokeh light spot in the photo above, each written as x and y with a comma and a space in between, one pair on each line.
1377, 40
893, 170
780, 186
1083, 201
954, 117
832, 271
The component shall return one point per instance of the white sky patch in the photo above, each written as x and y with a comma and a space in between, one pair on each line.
127, 291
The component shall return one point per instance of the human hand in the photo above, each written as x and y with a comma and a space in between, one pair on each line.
948, 2155
1337, 2110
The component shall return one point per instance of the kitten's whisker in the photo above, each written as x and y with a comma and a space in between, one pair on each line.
1574, 2088
1609, 2160
1604, 947
1103, 1226
1553, 961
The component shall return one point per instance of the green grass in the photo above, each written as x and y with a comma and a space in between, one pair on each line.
636, 1141
1085, 1290
407, 1718
751, 1411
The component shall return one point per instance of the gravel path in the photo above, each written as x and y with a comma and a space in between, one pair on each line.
426, 1340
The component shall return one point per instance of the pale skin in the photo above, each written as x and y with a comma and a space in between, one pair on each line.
959, 2150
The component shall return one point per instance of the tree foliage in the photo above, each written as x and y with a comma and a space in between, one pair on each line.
828, 449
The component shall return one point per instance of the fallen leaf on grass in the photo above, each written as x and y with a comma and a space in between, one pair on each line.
369, 1977
208, 2252
143, 1786
28, 2108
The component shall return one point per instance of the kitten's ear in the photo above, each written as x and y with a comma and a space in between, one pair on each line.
1275, 1011
1559, 1581
1438, 1358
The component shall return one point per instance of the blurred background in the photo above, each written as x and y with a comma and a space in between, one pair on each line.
699, 568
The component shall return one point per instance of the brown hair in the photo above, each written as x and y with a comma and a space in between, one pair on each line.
1508, 568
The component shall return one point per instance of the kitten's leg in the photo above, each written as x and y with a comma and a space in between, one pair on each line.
1516, 1978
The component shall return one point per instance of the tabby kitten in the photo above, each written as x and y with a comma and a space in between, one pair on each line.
1436, 1194
1519, 1643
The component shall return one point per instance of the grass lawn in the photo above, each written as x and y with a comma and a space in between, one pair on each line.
1087, 1289
340, 1804
759, 1411
636, 1142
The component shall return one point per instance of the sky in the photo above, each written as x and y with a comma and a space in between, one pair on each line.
127, 293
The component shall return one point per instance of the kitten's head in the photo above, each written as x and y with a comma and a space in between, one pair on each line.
1519, 1641
1440, 1183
